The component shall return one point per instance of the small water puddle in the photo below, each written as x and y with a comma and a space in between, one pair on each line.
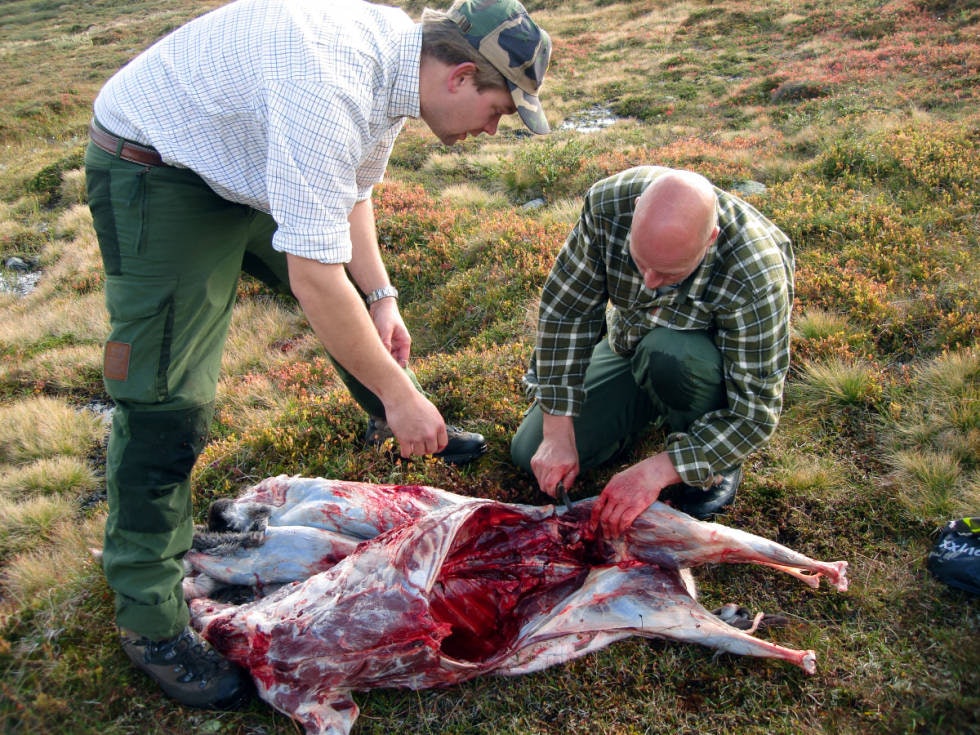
592, 120
18, 277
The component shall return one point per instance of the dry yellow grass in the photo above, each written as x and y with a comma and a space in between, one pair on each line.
61, 475
39, 427
41, 576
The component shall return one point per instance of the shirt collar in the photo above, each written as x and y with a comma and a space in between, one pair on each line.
697, 282
405, 91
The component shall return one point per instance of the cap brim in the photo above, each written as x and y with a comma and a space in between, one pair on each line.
530, 110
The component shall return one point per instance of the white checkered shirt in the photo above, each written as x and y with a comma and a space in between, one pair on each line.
288, 106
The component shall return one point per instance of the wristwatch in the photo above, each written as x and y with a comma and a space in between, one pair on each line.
381, 293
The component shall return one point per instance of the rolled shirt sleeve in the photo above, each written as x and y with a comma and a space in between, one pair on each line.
319, 167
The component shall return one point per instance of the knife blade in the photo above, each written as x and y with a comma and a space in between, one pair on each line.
562, 494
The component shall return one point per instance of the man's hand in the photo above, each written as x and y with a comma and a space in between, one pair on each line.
417, 425
557, 457
631, 492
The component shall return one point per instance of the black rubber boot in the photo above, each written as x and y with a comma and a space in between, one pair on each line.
700, 503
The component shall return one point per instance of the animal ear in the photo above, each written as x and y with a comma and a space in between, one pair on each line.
227, 515
220, 515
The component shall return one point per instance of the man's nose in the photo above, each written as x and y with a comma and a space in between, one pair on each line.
491, 127
652, 280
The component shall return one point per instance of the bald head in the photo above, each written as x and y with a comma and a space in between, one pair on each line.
674, 223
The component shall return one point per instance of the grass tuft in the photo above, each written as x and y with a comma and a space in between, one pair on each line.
38, 427
61, 475
28, 524
838, 384
931, 487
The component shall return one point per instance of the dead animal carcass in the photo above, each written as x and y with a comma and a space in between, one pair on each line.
408, 586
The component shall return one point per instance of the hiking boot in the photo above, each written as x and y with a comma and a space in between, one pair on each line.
189, 670
700, 503
463, 446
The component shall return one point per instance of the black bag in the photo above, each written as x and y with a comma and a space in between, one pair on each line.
955, 559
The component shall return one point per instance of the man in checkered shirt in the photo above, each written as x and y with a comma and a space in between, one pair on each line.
251, 138
668, 305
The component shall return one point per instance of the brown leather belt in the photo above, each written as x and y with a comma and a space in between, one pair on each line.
125, 149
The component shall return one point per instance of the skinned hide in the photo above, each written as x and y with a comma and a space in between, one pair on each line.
412, 586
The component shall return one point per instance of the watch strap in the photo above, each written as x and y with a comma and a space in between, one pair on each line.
381, 293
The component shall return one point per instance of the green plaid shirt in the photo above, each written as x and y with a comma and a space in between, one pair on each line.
742, 293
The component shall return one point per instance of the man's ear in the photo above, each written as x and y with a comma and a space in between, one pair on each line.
714, 235
460, 74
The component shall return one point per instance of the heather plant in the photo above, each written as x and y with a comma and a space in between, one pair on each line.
820, 335
551, 168
854, 127
312, 436
907, 280
490, 285
411, 222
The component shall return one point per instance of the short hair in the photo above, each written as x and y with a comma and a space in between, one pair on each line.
443, 40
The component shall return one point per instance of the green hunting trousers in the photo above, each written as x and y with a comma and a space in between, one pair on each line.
172, 251
673, 378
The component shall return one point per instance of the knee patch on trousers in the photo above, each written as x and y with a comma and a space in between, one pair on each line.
159, 452
681, 370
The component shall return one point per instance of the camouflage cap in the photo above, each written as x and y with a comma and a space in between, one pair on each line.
503, 32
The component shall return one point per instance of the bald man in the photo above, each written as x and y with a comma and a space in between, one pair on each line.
668, 305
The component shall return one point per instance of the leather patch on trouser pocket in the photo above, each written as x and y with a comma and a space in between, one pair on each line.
116, 361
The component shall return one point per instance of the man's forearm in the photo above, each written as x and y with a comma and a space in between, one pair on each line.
345, 328
366, 267
554, 428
